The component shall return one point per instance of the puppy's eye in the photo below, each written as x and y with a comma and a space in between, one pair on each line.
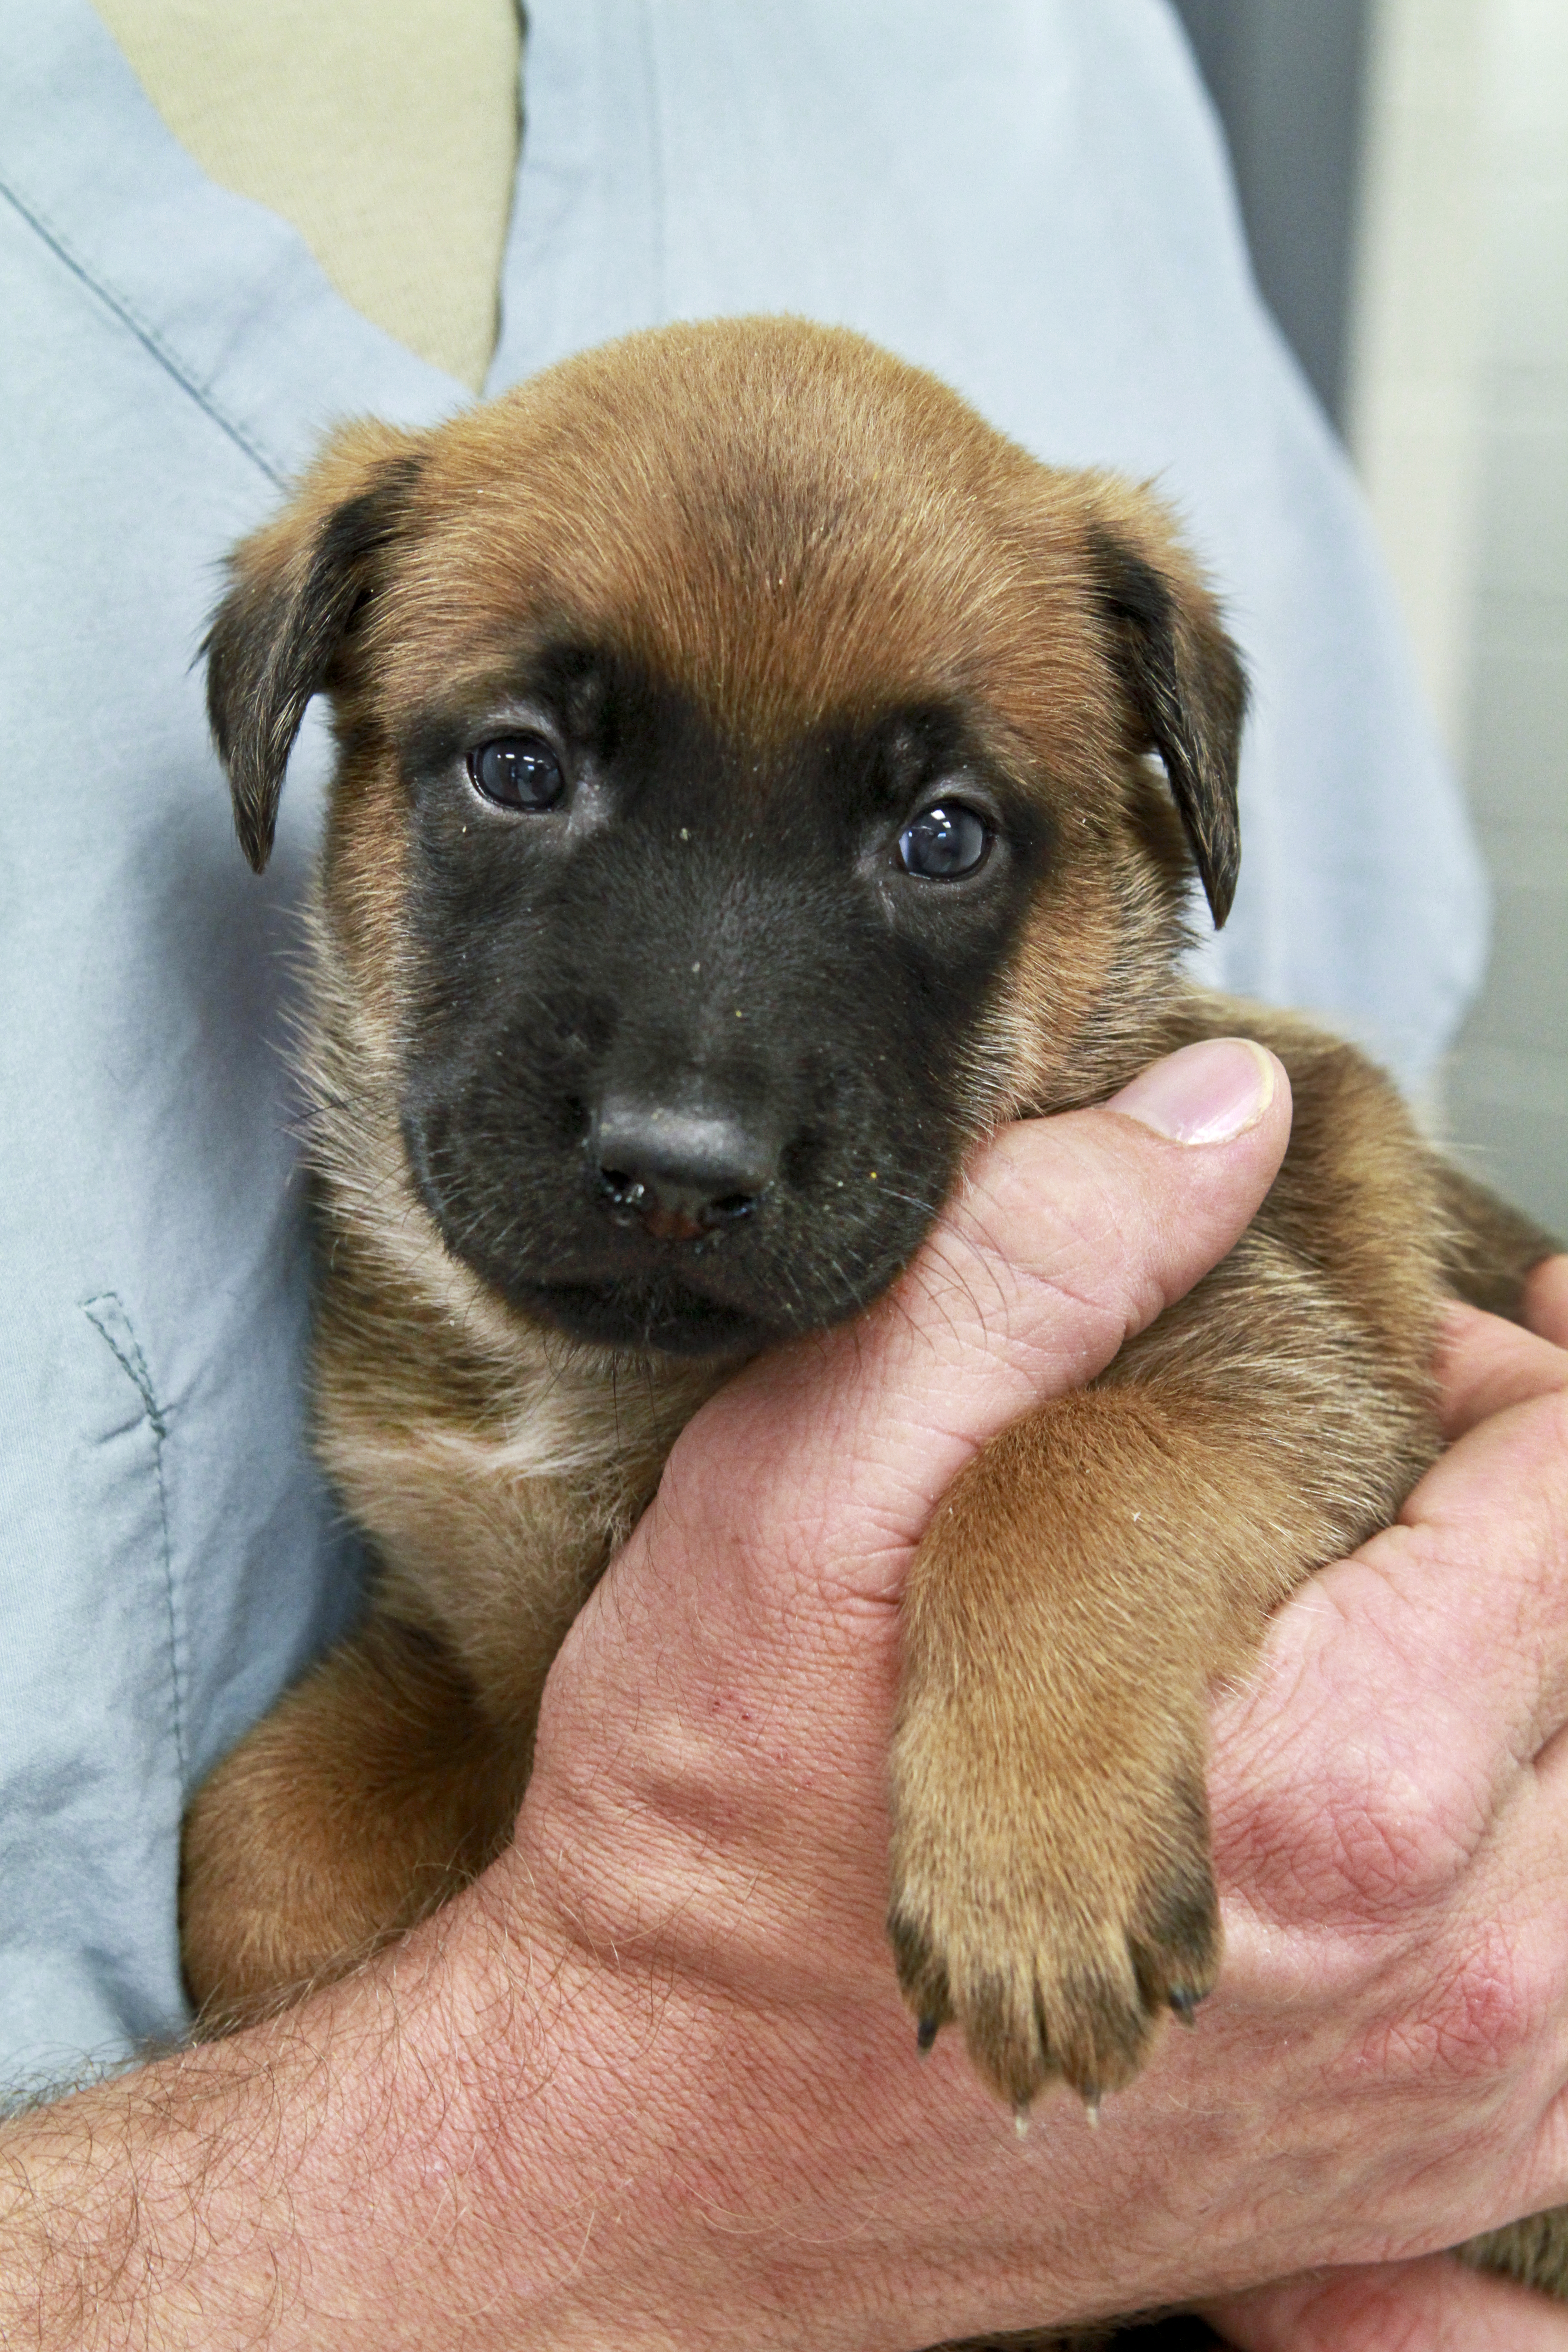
944, 842
519, 771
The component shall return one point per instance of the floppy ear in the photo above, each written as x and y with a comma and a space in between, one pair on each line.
1185, 686
296, 587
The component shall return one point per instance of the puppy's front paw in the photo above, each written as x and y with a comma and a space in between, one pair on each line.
1055, 1904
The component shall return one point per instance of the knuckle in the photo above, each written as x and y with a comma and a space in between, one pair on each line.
1478, 2020
1353, 1845
1400, 1846
1376, 1790
1080, 1232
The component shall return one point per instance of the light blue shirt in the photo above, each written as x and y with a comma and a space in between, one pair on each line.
1027, 195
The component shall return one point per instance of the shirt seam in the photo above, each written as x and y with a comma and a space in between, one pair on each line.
103, 1311
146, 335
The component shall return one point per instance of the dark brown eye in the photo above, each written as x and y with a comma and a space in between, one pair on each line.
944, 842
518, 772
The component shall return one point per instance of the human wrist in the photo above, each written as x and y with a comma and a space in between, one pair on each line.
657, 2129
302, 2176
160, 2206
534, 2147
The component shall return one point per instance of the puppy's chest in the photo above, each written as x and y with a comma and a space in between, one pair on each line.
493, 1526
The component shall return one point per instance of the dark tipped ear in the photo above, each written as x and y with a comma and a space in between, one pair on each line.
295, 588
1188, 694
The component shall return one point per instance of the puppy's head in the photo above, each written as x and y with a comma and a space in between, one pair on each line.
744, 799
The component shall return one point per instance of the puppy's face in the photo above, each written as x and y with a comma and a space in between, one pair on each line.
742, 803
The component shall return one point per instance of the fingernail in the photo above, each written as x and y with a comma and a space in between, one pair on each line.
1204, 1094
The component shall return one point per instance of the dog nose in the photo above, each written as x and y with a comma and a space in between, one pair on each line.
683, 1171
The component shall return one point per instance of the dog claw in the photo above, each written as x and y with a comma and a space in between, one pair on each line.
1185, 2004
1021, 2121
1091, 2110
926, 2033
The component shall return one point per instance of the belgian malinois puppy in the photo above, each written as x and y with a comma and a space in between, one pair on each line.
757, 780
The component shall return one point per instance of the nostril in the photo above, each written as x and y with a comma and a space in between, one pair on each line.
731, 1205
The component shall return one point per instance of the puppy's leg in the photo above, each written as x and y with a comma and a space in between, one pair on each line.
1051, 1880
367, 1798
1487, 1246
1081, 1585
1534, 2252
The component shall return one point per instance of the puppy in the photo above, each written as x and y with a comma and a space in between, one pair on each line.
744, 802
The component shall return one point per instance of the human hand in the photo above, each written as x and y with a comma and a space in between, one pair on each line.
1305, 2121
1505, 1477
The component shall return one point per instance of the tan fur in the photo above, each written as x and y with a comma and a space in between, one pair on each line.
793, 526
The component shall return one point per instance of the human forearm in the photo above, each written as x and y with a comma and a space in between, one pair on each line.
249, 2191
173, 2206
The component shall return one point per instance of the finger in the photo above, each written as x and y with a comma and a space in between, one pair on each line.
1432, 2305
1066, 1235
1484, 1365
1442, 1642
1546, 1300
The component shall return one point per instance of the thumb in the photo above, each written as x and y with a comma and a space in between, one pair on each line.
1432, 2305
